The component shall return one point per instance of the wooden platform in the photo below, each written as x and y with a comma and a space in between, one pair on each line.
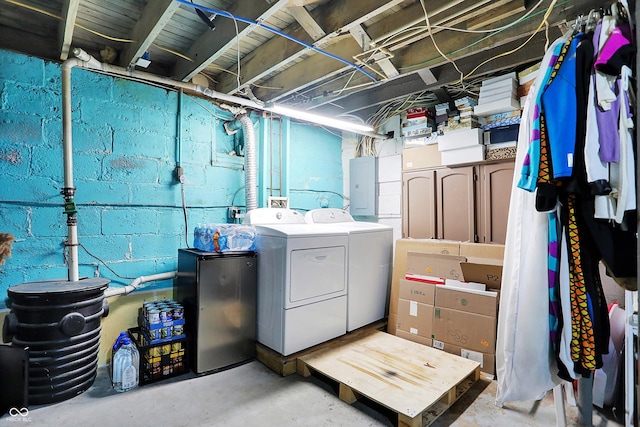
416, 382
286, 365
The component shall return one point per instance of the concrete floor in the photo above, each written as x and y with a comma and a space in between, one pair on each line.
253, 395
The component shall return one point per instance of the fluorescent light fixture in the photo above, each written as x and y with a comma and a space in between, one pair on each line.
321, 120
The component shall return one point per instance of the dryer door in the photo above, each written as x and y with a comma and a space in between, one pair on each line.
316, 274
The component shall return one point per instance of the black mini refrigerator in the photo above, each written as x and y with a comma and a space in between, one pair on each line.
218, 292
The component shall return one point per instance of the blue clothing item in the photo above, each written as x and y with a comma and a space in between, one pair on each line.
559, 107
531, 164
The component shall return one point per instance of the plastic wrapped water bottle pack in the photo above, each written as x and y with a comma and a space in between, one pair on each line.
224, 237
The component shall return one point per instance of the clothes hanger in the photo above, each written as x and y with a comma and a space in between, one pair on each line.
592, 20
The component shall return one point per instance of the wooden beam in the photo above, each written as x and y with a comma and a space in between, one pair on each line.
461, 45
447, 74
307, 22
502, 12
313, 69
451, 16
382, 58
153, 19
400, 87
213, 44
335, 17
67, 24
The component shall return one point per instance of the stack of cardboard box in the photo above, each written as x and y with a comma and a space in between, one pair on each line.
436, 307
498, 94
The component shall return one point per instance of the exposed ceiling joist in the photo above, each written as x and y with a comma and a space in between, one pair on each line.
334, 17
381, 57
307, 22
335, 56
67, 25
153, 19
213, 44
502, 12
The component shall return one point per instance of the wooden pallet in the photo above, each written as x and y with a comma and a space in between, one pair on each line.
286, 365
417, 382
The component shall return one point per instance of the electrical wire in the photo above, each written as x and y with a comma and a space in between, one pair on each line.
366, 144
104, 263
427, 62
416, 30
166, 49
426, 18
504, 27
277, 32
544, 20
104, 36
184, 212
223, 118
346, 84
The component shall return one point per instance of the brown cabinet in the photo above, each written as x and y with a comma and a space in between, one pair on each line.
496, 181
455, 198
469, 203
419, 204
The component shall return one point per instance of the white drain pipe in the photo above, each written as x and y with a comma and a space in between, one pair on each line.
86, 61
112, 292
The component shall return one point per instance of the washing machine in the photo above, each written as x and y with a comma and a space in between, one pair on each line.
369, 269
302, 280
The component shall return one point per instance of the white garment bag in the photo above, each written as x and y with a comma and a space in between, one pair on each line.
525, 365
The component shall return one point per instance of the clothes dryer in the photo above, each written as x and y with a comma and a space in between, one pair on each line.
369, 269
302, 280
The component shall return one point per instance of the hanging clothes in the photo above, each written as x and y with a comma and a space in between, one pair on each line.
557, 328
524, 362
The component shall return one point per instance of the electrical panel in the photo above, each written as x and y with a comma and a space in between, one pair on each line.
363, 174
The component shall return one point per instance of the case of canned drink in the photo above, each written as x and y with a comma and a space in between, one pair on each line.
162, 321
161, 360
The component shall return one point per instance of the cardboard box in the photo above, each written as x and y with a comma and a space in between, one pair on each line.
434, 246
403, 246
423, 293
467, 300
481, 250
436, 265
460, 139
482, 272
425, 156
452, 283
473, 331
463, 156
415, 338
509, 104
507, 133
415, 318
502, 80
487, 360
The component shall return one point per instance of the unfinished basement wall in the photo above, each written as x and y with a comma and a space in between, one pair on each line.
125, 150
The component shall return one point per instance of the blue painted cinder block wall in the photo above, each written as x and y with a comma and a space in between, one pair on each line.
126, 142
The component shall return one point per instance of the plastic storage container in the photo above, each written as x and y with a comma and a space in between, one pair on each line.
159, 361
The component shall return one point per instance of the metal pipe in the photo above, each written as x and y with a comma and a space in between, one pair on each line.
250, 161
111, 292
